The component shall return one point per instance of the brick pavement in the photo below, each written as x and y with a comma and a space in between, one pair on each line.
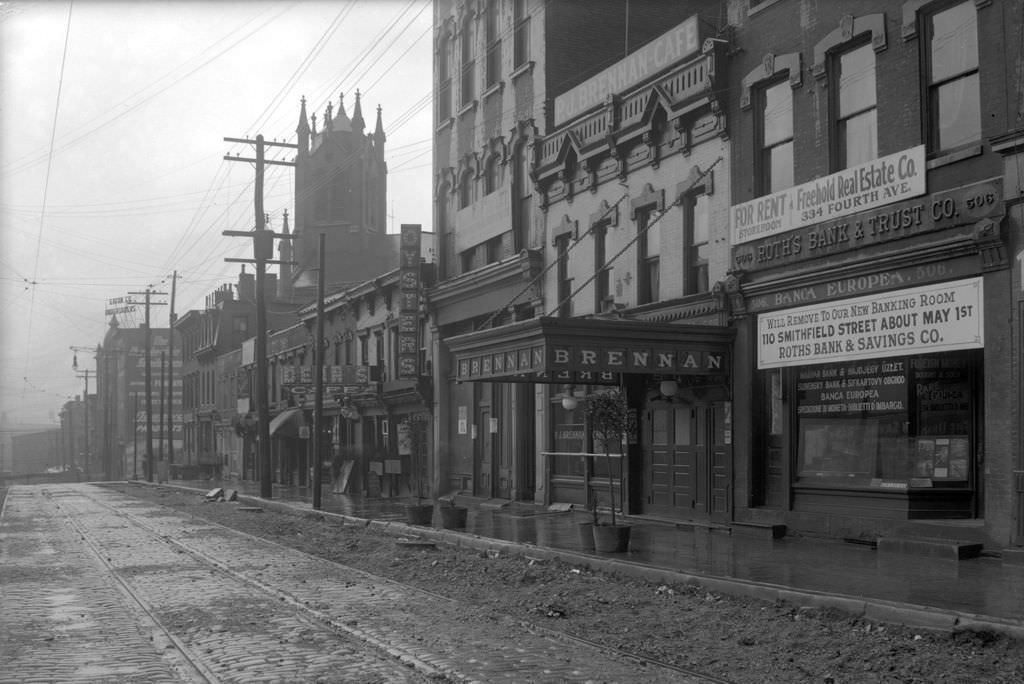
245, 609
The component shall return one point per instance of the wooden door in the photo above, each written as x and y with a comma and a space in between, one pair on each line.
485, 454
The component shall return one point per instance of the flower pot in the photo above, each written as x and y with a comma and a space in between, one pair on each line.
419, 514
453, 517
611, 538
585, 533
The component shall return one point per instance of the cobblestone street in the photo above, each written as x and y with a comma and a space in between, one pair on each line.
99, 587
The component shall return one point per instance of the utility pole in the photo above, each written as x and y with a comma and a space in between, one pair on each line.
170, 355
263, 253
85, 403
135, 437
148, 465
318, 382
163, 404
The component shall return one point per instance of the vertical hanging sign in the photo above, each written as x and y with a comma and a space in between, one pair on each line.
409, 309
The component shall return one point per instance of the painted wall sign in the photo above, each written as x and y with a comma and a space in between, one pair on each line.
958, 206
931, 318
672, 46
873, 184
961, 267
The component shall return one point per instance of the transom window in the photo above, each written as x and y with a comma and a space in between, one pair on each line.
855, 106
954, 105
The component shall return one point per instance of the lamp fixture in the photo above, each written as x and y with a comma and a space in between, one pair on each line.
569, 402
668, 388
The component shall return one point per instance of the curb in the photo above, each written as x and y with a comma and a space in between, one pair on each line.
877, 610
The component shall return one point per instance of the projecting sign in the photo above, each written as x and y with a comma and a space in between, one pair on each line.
875, 183
931, 318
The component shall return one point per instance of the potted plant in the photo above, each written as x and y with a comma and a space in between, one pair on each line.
419, 511
611, 420
453, 517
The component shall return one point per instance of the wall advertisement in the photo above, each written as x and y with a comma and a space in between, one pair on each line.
931, 318
873, 184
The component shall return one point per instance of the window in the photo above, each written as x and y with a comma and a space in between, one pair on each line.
467, 258
522, 35
492, 170
855, 106
444, 78
775, 170
493, 37
648, 259
695, 247
602, 278
953, 97
564, 281
521, 192
493, 249
364, 350
241, 324
468, 63
466, 190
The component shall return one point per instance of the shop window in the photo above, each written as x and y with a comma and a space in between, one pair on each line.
775, 135
887, 423
648, 246
696, 246
953, 104
855, 106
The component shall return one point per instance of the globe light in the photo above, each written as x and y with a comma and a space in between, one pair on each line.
668, 388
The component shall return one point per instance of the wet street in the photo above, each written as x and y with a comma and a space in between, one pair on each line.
97, 586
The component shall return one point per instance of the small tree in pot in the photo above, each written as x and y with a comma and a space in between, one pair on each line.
417, 431
611, 420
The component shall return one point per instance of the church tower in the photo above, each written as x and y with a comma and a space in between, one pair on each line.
341, 190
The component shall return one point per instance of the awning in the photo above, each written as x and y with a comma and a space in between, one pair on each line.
590, 351
287, 423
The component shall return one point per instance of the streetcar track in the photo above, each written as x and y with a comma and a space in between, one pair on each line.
304, 612
358, 634
191, 665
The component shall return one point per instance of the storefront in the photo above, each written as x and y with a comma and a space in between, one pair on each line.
677, 382
872, 313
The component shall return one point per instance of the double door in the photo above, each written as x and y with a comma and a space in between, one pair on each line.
688, 460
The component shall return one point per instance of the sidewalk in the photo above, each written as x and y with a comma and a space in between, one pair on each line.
979, 593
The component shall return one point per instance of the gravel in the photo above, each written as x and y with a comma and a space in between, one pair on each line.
735, 638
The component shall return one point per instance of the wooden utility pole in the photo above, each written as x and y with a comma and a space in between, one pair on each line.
170, 356
318, 382
263, 253
148, 465
85, 400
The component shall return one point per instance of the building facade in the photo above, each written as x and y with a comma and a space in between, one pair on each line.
871, 284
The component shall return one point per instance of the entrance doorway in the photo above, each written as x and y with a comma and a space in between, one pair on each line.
687, 454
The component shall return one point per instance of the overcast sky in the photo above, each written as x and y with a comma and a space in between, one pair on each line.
112, 119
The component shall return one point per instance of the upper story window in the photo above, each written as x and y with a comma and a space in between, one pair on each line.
855, 106
492, 174
775, 135
444, 78
697, 228
563, 278
468, 63
466, 190
953, 104
648, 246
522, 196
602, 279
522, 32
493, 38
364, 350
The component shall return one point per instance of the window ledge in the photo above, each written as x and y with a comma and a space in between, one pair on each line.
467, 108
524, 68
954, 156
496, 88
445, 123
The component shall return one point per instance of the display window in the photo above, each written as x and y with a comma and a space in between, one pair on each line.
896, 422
